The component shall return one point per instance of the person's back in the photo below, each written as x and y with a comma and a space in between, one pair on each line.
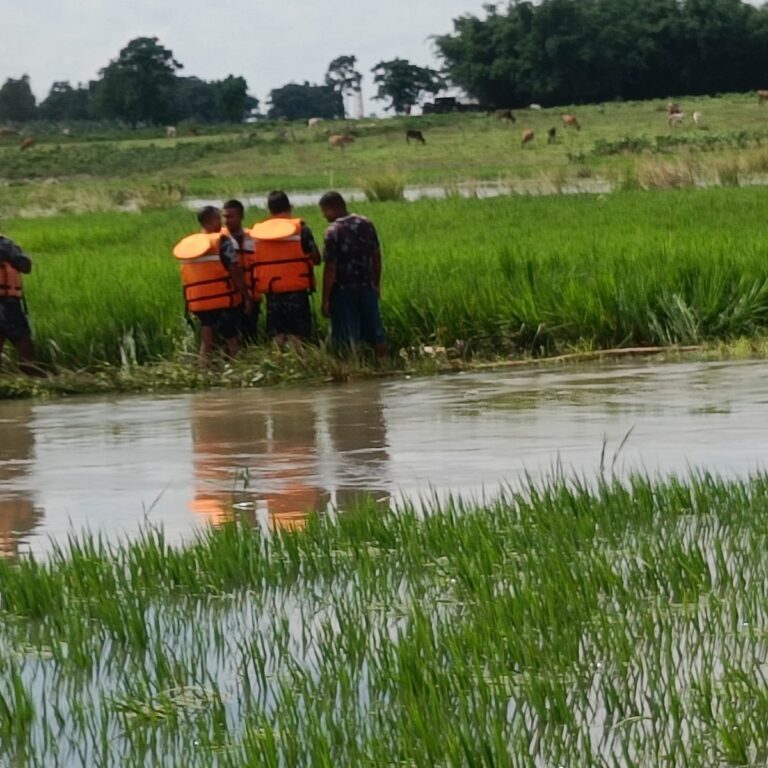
353, 243
284, 256
352, 277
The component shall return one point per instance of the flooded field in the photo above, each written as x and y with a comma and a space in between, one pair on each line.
110, 465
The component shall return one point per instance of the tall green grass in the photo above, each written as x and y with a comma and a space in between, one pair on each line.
576, 623
493, 277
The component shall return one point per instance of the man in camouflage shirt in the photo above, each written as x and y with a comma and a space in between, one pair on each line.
352, 277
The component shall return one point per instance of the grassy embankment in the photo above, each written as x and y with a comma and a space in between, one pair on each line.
628, 144
617, 626
482, 279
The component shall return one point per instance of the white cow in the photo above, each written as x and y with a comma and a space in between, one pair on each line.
698, 119
170, 131
313, 122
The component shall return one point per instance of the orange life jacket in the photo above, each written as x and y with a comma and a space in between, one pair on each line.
245, 259
207, 282
280, 264
10, 281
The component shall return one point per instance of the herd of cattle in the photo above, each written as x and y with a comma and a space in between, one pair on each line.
675, 117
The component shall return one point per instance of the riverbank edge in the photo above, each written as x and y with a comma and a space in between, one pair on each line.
310, 365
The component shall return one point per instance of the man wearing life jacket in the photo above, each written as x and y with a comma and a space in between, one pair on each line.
214, 288
14, 325
284, 256
234, 212
352, 277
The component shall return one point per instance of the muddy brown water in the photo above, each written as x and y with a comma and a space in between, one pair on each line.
110, 465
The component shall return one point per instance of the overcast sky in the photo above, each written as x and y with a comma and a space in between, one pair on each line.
269, 42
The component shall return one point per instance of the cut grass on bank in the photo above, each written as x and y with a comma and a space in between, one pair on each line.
575, 623
480, 278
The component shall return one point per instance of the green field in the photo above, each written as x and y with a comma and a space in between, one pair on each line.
674, 255
510, 276
624, 143
617, 625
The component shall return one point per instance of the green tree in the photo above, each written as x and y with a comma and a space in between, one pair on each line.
196, 100
234, 103
17, 102
569, 51
64, 102
300, 102
343, 77
139, 85
403, 83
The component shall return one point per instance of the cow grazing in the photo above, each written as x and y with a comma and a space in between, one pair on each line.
313, 122
505, 114
340, 140
698, 119
66, 132
416, 135
570, 121
551, 135
30, 141
193, 131
675, 118
527, 137
170, 131
762, 97
8, 131
534, 106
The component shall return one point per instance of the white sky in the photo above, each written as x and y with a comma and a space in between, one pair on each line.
269, 42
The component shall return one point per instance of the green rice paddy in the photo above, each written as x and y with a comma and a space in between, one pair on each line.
574, 624
480, 278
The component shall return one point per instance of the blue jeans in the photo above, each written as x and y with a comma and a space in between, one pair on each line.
355, 316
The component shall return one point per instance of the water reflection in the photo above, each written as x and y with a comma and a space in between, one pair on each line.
19, 515
275, 459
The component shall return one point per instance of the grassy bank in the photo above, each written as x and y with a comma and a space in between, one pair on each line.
469, 278
627, 144
579, 625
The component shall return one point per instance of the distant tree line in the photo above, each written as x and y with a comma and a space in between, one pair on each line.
398, 81
140, 86
566, 51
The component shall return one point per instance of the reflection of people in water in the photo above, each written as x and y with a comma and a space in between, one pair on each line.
262, 456
18, 513
358, 431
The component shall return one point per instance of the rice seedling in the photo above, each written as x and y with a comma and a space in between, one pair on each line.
572, 622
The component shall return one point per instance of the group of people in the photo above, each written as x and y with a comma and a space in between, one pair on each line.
228, 271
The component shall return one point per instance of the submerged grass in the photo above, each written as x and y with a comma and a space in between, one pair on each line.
572, 623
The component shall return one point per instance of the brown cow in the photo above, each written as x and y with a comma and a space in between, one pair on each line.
570, 121
340, 140
8, 131
416, 135
762, 97
30, 141
527, 137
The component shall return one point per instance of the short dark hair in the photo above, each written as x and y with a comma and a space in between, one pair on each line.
333, 200
236, 204
207, 212
278, 202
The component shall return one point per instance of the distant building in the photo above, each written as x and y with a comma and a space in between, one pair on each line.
451, 100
